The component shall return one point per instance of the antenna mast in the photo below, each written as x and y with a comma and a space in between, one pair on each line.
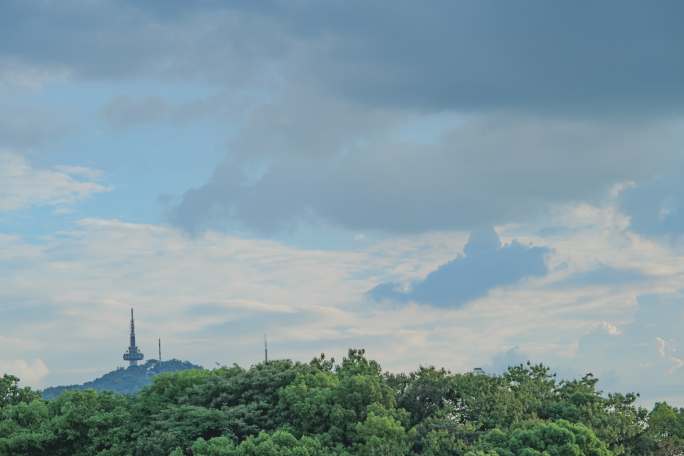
265, 350
160, 349
133, 354
132, 333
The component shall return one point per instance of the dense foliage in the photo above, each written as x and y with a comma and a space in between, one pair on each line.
321, 408
125, 381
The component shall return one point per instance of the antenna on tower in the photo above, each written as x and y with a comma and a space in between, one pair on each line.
133, 354
265, 349
159, 340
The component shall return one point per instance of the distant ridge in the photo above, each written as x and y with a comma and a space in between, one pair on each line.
128, 380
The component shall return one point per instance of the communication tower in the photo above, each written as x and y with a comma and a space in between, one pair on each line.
133, 354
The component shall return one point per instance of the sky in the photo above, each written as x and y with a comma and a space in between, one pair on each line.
460, 184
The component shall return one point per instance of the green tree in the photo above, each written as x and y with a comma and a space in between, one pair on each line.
331, 403
425, 392
615, 418
217, 446
666, 430
559, 438
178, 426
24, 430
88, 422
381, 435
284, 408
11, 393
280, 443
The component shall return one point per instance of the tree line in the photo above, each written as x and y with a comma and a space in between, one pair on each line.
351, 408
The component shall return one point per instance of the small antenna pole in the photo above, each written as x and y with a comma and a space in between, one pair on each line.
159, 349
265, 350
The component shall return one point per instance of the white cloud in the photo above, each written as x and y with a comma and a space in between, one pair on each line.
667, 351
30, 373
22, 185
211, 298
611, 328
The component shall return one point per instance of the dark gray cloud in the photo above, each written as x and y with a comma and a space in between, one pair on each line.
125, 112
482, 171
580, 56
486, 264
613, 68
110, 39
583, 56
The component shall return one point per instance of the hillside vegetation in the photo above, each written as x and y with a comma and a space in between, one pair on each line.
322, 408
128, 380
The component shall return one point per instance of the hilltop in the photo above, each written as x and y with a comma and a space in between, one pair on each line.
128, 380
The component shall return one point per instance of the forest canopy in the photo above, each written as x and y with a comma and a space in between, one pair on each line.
324, 408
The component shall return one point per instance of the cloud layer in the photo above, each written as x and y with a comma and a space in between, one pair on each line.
270, 130
486, 265
22, 185
480, 171
485, 54
561, 102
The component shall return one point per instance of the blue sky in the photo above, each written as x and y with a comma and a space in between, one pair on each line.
462, 184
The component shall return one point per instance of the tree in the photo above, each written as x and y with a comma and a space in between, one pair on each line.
280, 443
666, 430
381, 435
284, 408
426, 392
178, 426
11, 393
24, 430
218, 446
88, 422
558, 438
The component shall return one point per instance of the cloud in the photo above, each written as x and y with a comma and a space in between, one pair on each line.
656, 206
125, 112
486, 265
478, 171
212, 296
86, 279
23, 186
404, 124
16, 75
441, 55
576, 57
501, 361
602, 275
127, 40
196, 291
557, 104
31, 373
23, 127
647, 347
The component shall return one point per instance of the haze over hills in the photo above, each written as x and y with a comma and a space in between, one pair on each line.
128, 380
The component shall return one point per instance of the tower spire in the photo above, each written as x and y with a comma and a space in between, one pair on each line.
132, 344
133, 354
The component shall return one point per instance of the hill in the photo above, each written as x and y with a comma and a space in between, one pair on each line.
128, 380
